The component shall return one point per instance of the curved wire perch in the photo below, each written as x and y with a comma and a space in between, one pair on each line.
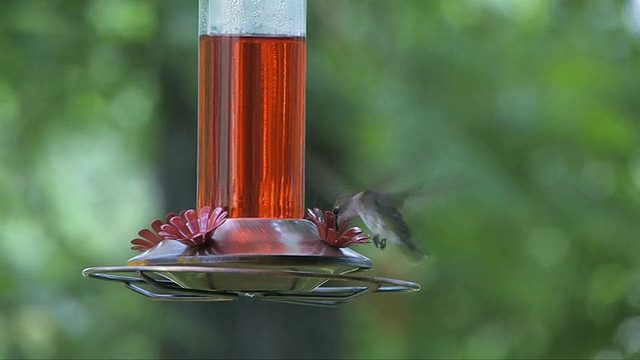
192, 295
170, 290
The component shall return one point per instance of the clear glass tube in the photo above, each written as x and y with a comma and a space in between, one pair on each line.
251, 107
253, 17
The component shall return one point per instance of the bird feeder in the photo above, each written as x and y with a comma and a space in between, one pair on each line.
249, 237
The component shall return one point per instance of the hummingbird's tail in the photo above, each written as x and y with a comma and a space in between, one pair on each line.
414, 253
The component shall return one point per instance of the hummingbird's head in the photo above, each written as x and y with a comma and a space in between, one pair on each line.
345, 208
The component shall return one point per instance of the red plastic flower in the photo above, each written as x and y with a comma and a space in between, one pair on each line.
193, 230
331, 234
150, 238
186, 228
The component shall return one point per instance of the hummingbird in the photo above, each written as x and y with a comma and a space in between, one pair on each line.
380, 214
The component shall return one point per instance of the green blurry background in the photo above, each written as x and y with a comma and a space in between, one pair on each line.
531, 108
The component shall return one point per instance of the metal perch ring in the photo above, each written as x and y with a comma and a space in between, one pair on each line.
146, 279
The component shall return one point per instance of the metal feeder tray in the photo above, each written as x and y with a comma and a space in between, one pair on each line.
270, 259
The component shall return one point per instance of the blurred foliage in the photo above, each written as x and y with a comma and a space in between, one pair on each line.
532, 106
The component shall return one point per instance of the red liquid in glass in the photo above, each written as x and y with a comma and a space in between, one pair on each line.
251, 118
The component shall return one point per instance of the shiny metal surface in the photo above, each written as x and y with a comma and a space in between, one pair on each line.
252, 236
281, 260
248, 243
151, 281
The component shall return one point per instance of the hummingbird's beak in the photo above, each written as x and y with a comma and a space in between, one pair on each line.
335, 213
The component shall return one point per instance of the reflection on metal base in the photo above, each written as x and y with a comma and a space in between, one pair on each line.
281, 260
158, 283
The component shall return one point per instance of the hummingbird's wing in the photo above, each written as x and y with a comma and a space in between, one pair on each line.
421, 192
324, 179
397, 199
385, 206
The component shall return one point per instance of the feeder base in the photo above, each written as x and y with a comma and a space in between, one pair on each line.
160, 283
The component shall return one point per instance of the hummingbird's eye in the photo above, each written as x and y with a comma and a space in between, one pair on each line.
336, 210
